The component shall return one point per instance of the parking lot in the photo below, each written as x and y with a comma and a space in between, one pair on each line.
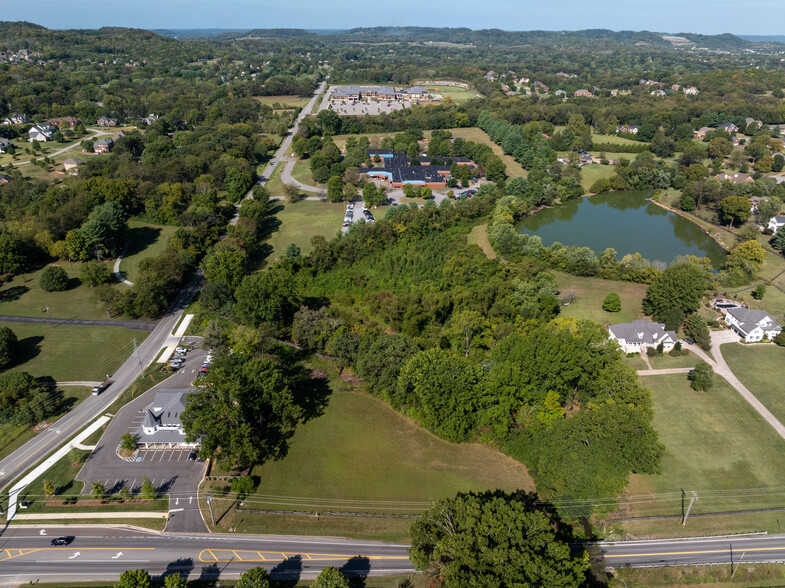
354, 212
169, 469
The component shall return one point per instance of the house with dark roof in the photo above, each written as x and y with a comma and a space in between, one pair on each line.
4, 179
161, 425
4, 144
105, 121
752, 325
17, 119
728, 127
103, 145
638, 336
43, 132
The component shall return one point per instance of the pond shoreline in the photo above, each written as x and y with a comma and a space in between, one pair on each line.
690, 218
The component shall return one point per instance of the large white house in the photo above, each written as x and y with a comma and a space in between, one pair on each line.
776, 223
752, 325
162, 425
637, 336
43, 132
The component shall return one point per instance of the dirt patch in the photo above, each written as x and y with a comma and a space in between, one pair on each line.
350, 377
318, 375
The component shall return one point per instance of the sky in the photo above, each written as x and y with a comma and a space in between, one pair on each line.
670, 16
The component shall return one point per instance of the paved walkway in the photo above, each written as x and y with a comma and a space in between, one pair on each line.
56, 322
720, 367
664, 372
58, 516
117, 273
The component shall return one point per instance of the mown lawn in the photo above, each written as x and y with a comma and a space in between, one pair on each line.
760, 367
593, 172
457, 94
68, 352
144, 240
665, 361
301, 221
285, 101
274, 184
592, 291
716, 444
22, 296
479, 236
361, 455
615, 139
302, 172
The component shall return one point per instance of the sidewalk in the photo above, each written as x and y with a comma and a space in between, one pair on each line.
57, 516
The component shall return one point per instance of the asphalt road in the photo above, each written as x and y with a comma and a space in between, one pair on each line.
170, 470
103, 553
754, 548
46, 442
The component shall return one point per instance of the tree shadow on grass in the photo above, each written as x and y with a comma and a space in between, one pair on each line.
28, 349
140, 238
13, 293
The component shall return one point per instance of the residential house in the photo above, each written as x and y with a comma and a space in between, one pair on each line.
491, 76
43, 132
638, 336
582, 93
162, 425
737, 178
675, 87
105, 121
103, 145
631, 129
71, 166
728, 127
691, 91
776, 223
538, 84
560, 93
658, 93
752, 325
4, 179
4, 144
60, 121
702, 132
17, 119
150, 119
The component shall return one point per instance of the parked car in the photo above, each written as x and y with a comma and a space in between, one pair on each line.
180, 350
689, 341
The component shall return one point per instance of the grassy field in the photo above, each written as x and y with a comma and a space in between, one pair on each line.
22, 296
457, 94
759, 368
374, 138
68, 353
743, 576
592, 291
479, 136
716, 444
288, 102
274, 183
144, 240
13, 436
593, 172
301, 221
336, 461
479, 236
302, 173
635, 362
665, 361
615, 139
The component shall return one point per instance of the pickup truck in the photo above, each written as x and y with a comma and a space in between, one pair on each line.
101, 387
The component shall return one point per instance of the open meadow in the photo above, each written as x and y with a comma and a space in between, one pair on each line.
300, 221
715, 444
755, 365
144, 240
591, 292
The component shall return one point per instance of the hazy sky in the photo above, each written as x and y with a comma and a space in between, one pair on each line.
763, 17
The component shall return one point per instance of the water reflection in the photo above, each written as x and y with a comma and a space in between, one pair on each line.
626, 221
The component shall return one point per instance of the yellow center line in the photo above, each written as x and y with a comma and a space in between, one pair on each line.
747, 550
228, 555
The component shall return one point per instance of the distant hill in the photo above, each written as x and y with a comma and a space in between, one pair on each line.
196, 33
764, 38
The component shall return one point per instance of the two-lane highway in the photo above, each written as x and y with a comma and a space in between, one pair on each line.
103, 553
720, 550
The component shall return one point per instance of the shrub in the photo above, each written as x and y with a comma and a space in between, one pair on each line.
128, 442
53, 279
759, 292
780, 339
651, 351
612, 303
702, 377
243, 486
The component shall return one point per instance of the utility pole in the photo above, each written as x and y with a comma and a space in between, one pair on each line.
210, 504
733, 572
689, 508
139, 359
48, 314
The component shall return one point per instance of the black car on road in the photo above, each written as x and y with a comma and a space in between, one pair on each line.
62, 540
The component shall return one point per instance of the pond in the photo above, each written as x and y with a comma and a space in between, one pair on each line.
626, 221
